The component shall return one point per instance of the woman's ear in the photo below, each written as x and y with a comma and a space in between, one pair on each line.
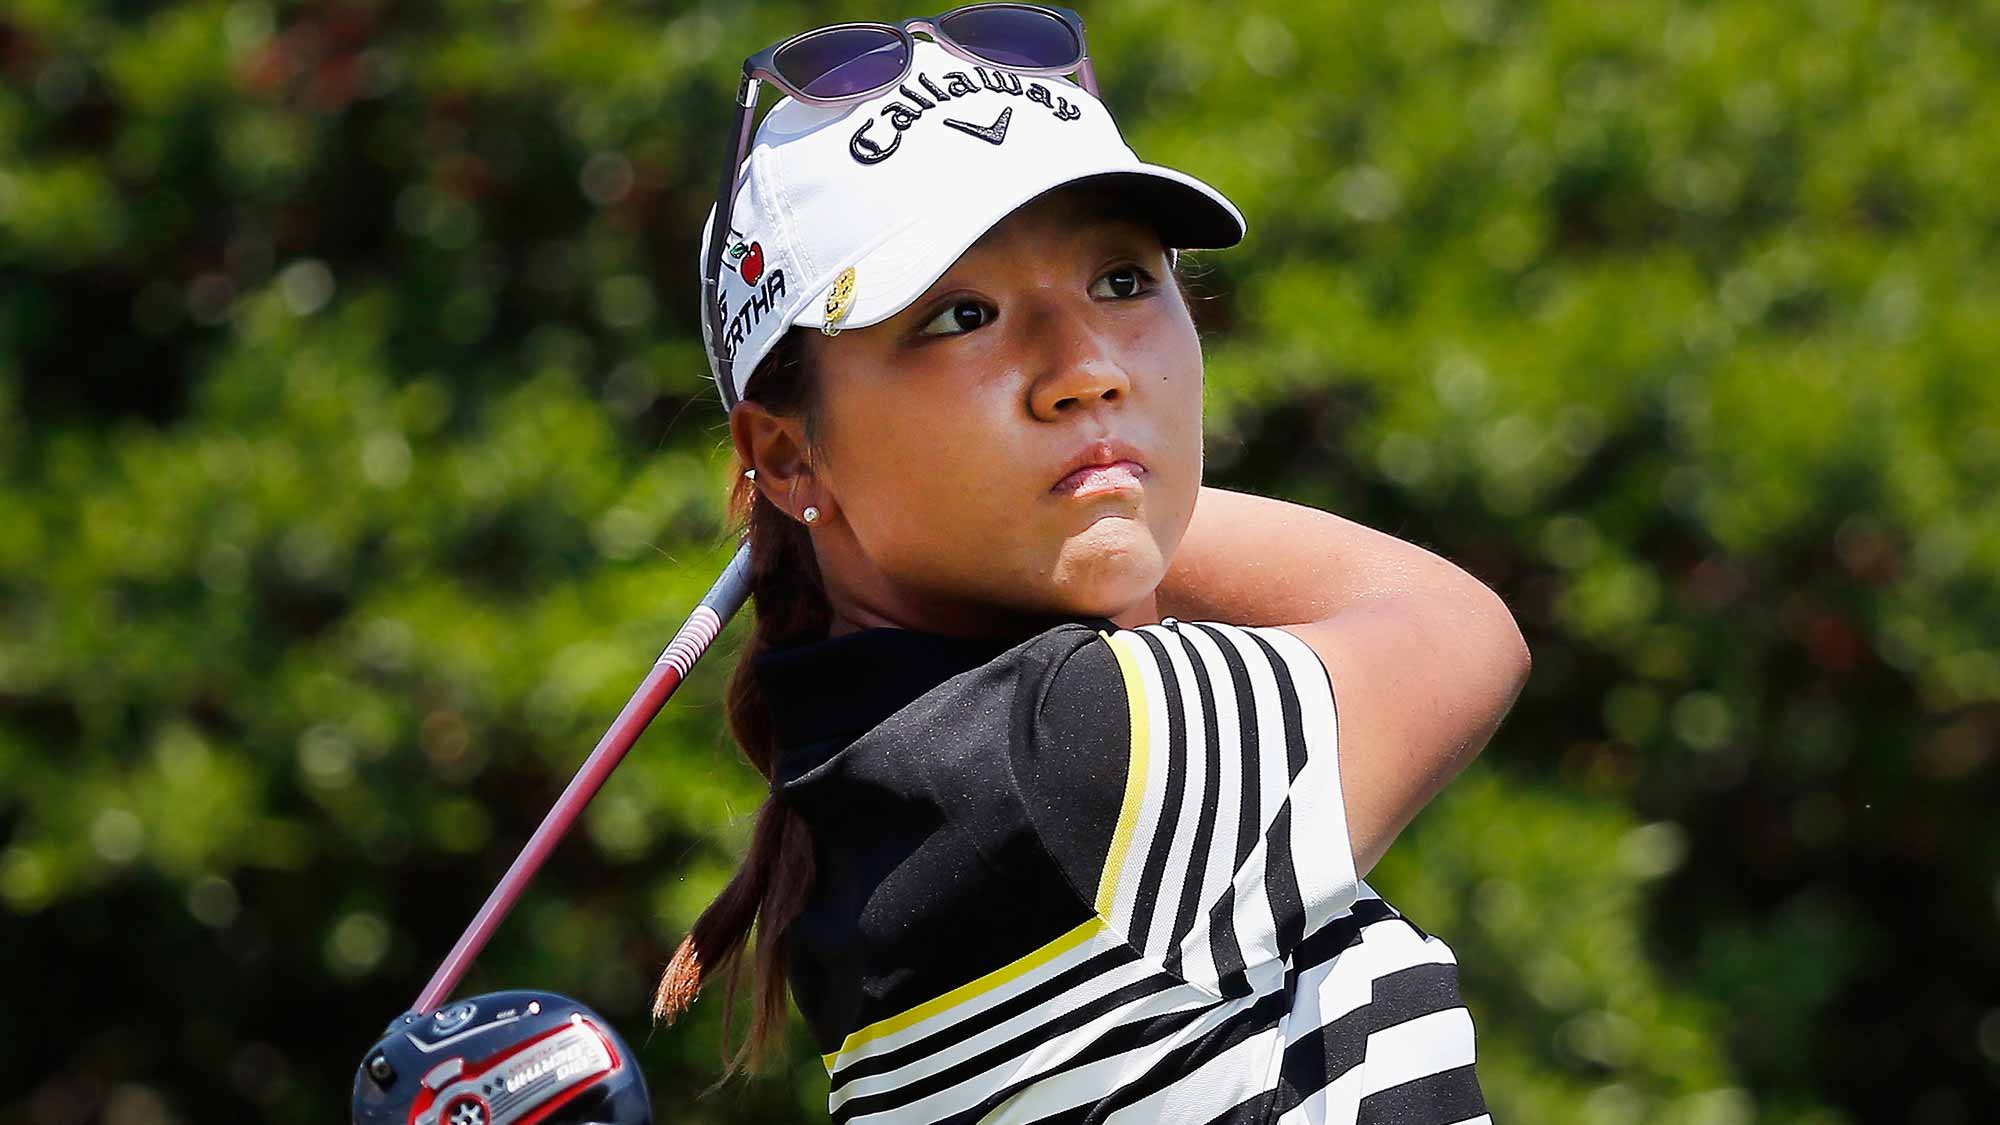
775, 446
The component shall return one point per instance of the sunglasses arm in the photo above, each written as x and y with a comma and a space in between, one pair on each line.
718, 239
1086, 76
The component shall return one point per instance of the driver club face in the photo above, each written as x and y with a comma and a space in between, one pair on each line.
504, 1058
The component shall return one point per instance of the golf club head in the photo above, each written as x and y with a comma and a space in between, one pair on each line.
505, 1058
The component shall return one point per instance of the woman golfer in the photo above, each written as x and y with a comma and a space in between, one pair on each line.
1075, 764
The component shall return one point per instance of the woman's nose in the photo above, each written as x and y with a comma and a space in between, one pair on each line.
1079, 370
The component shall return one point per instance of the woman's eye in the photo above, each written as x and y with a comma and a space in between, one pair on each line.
961, 317
1125, 281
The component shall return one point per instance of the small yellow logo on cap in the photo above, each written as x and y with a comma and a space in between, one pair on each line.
839, 299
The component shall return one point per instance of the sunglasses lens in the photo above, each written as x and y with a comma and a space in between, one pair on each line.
841, 62
1030, 38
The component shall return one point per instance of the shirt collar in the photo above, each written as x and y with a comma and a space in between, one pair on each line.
840, 688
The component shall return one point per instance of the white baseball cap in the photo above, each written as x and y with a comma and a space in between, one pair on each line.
844, 215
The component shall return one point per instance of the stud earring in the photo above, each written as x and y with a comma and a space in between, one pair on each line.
810, 514
750, 475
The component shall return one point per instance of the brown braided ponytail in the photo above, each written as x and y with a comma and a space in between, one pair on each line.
770, 888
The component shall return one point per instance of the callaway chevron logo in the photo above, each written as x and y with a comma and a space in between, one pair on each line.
995, 132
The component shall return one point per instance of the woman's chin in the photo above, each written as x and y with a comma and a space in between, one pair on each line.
1109, 568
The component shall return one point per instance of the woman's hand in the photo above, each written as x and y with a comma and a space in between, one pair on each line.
1424, 658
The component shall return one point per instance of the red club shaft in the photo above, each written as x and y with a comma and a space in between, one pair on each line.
707, 620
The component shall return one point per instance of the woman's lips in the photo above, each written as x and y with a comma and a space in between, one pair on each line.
1092, 480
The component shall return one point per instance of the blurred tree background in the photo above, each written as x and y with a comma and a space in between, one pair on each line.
357, 454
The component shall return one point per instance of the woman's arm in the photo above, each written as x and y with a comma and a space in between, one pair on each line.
1425, 659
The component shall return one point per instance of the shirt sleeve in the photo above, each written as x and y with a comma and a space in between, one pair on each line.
1186, 778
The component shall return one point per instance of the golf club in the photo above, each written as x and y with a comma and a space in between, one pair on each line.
514, 1057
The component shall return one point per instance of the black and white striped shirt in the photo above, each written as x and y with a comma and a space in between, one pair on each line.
1099, 876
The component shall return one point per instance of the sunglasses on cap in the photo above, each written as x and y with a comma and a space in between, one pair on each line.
851, 62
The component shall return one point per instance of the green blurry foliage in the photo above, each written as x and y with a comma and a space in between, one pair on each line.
357, 453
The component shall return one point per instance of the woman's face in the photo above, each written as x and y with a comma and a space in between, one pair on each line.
1023, 441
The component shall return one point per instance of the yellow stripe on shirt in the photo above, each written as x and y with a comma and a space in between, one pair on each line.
1013, 970
1126, 647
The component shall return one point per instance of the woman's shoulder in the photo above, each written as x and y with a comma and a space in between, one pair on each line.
1073, 663
1051, 651
1066, 705
961, 721
1088, 682
1068, 672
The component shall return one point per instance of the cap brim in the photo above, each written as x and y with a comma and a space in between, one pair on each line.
1189, 214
